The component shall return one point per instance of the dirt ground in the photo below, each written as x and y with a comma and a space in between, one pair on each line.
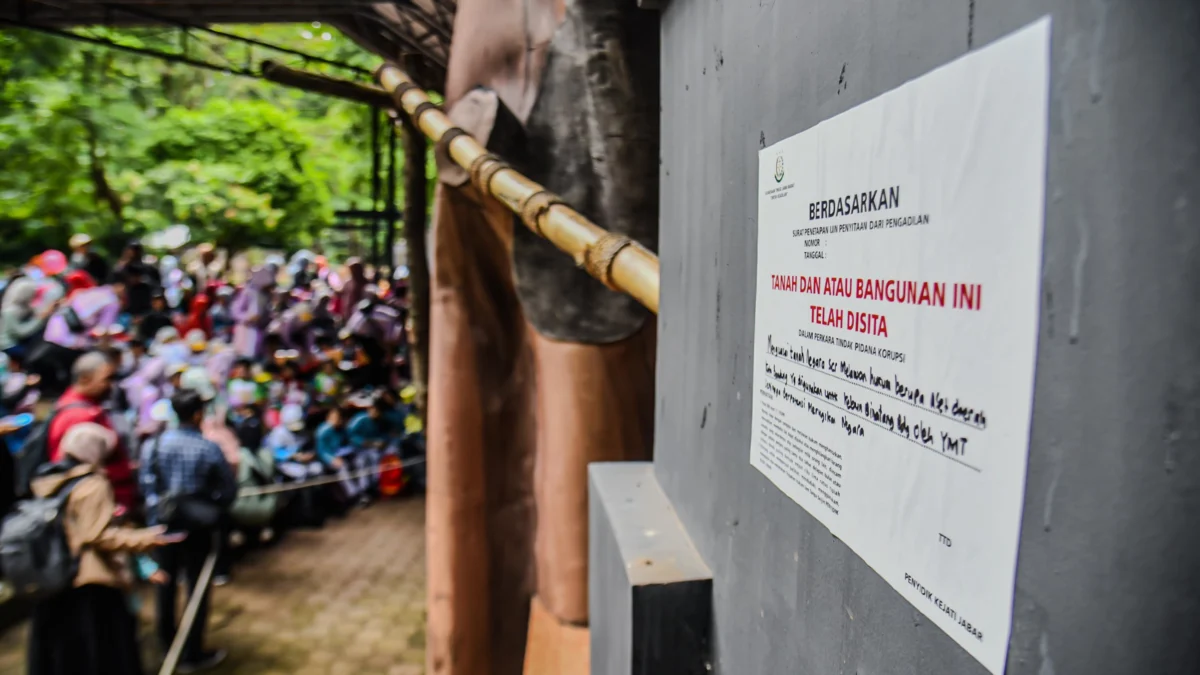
346, 599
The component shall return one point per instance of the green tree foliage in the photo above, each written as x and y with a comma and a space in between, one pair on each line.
117, 145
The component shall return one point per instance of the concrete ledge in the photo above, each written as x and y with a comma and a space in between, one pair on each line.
649, 592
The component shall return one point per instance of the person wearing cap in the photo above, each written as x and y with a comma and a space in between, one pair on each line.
197, 344
288, 443
196, 379
215, 429
176, 367
243, 416
296, 460
84, 258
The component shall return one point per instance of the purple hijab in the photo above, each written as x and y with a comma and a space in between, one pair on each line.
251, 313
94, 307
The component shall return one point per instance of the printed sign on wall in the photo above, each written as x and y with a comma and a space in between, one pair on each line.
899, 254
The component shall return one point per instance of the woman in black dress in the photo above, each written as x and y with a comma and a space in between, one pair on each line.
89, 629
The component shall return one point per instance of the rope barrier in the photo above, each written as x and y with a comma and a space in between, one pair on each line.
171, 662
327, 480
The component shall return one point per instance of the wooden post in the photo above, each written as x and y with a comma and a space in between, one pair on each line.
415, 208
375, 165
389, 235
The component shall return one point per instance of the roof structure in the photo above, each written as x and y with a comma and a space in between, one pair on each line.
416, 32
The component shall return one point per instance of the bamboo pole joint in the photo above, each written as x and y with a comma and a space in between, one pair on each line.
614, 259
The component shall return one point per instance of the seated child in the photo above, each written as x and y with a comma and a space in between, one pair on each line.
243, 415
369, 436
292, 456
338, 455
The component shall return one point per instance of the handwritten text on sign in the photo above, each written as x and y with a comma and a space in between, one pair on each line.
896, 324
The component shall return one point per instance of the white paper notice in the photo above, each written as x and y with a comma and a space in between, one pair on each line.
899, 253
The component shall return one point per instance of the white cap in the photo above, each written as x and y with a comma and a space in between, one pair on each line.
196, 340
291, 416
162, 411
166, 334
197, 380
242, 393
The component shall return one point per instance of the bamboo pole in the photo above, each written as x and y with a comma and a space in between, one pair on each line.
618, 262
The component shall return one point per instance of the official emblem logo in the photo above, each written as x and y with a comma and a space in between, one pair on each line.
779, 169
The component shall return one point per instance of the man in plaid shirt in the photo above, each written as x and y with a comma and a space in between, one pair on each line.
183, 462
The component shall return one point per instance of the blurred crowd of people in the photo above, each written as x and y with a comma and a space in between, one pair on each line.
185, 394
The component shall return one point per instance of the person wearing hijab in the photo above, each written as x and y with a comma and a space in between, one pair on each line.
303, 277
293, 328
88, 629
198, 317
251, 314
220, 316
354, 290
20, 323
78, 280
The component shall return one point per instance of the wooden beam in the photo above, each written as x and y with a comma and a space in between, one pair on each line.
329, 86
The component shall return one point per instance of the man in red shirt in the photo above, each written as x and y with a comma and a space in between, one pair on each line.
91, 384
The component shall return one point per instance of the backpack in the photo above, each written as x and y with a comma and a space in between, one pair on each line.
34, 553
34, 452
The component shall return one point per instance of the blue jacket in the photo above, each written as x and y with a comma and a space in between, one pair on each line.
330, 440
363, 430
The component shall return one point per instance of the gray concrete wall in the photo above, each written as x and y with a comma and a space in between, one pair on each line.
1107, 578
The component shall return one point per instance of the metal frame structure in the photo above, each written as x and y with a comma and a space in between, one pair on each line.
393, 29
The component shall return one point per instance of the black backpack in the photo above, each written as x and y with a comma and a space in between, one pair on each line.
34, 553
34, 452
